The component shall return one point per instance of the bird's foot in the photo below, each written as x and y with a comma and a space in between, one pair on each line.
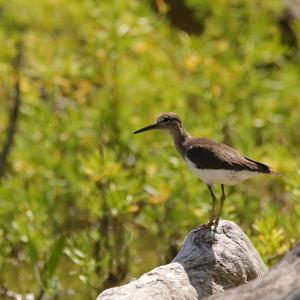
216, 223
213, 224
210, 224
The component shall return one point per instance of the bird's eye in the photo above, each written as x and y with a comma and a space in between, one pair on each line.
165, 119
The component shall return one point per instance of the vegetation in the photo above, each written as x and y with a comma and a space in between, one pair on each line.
84, 204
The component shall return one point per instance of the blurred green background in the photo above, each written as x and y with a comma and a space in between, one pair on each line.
84, 204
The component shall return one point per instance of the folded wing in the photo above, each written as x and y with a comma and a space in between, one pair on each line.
207, 154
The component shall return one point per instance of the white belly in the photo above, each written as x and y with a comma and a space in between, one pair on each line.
220, 176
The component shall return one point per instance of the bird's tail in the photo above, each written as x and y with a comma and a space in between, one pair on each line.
272, 172
262, 168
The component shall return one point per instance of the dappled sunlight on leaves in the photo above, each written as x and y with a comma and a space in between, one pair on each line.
110, 204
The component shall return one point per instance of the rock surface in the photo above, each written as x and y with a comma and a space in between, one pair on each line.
207, 264
281, 282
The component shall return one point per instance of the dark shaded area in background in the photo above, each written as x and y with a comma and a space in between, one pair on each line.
180, 15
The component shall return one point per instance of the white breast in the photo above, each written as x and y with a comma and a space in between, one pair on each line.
220, 176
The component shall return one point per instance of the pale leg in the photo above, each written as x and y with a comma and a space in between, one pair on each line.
214, 200
223, 198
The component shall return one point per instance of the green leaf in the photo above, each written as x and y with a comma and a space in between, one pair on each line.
56, 251
33, 252
34, 257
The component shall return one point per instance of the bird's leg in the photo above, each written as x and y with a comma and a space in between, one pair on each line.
223, 198
214, 200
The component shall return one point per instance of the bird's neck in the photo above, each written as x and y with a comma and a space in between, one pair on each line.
179, 136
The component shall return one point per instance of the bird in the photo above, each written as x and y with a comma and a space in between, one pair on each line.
213, 162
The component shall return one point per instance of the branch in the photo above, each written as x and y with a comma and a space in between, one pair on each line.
14, 113
207, 264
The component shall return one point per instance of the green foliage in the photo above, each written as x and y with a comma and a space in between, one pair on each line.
44, 273
84, 204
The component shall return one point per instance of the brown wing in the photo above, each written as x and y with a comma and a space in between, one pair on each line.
207, 154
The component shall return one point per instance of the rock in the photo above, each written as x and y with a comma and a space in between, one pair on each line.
207, 264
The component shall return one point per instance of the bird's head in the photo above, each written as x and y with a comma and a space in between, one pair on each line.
165, 121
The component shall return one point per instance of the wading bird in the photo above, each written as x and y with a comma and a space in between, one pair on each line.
212, 162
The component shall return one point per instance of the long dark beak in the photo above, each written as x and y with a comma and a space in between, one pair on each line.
149, 127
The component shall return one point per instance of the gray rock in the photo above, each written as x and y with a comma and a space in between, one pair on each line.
281, 283
207, 264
